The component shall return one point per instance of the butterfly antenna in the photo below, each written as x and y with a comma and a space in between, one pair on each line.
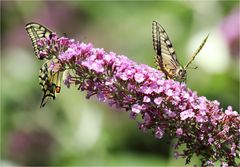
197, 51
194, 68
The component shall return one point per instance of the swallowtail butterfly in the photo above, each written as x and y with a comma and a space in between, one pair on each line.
49, 80
165, 58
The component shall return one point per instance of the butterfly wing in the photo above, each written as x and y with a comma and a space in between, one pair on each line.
49, 81
165, 59
37, 31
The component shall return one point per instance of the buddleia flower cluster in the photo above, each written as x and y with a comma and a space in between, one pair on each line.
167, 107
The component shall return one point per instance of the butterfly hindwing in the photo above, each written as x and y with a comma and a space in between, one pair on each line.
37, 31
49, 81
165, 59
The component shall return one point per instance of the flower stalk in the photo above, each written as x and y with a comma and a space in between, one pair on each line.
166, 106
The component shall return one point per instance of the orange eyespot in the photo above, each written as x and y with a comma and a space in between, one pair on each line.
58, 89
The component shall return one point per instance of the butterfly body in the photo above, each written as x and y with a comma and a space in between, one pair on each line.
166, 59
50, 75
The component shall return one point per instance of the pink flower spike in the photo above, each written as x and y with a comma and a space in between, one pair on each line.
164, 106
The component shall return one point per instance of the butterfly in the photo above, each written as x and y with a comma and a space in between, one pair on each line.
166, 59
49, 79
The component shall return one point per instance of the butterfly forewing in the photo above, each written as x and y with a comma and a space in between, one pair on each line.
37, 31
165, 58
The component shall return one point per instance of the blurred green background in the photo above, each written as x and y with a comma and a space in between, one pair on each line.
74, 131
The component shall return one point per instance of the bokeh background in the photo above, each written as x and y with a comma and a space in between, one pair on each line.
75, 131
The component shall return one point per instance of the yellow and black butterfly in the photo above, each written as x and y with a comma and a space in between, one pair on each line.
49, 80
166, 59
